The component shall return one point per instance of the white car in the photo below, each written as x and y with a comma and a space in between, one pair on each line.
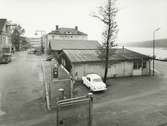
94, 82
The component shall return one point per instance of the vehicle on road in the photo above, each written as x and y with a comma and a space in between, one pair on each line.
5, 56
94, 82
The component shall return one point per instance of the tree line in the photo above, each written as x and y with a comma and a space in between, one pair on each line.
19, 42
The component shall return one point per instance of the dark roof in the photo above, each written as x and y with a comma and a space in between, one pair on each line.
67, 31
73, 44
91, 55
2, 23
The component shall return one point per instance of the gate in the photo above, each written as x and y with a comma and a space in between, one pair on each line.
75, 111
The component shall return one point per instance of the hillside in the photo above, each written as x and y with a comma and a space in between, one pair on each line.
160, 43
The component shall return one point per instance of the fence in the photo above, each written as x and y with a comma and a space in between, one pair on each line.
52, 85
55, 90
75, 111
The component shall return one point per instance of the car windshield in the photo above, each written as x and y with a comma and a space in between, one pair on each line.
97, 80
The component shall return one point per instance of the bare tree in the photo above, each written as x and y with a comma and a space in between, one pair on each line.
107, 15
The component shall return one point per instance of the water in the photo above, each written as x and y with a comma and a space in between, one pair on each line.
160, 53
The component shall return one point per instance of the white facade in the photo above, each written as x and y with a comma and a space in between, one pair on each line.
34, 42
66, 37
63, 34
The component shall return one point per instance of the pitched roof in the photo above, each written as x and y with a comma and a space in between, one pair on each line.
2, 23
67, 31
73, 44
91, 55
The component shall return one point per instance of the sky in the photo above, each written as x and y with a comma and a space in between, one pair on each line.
137, 19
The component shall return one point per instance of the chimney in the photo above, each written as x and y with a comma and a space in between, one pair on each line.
57, 27
76, 28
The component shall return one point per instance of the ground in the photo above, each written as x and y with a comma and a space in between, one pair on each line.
133, 101
20, 89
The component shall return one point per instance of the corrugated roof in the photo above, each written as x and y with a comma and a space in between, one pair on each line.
91, 55
2, 23
67, 31
73, 44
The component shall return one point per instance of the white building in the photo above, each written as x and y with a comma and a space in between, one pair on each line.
67, 34
34, 42
61, 33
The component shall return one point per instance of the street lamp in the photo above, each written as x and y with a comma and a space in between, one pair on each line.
154, 48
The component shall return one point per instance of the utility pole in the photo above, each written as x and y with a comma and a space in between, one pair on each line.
154, 49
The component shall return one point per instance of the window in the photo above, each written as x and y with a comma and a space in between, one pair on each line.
144, 64
88, 78
97, 80
137, 65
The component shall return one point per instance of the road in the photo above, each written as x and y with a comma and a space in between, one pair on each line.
20, 89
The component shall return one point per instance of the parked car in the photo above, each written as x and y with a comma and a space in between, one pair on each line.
94, 82
31, 51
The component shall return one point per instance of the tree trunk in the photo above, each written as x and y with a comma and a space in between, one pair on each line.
107, 56
108, 40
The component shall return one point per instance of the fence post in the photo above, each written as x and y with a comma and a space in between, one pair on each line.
71, 87
90, 95
57, 113
61, 91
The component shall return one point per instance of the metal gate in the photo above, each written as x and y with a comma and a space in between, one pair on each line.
75, 111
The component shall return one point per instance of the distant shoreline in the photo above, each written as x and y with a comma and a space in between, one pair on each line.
160, 43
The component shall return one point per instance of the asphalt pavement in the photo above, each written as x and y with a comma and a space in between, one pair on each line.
20, 89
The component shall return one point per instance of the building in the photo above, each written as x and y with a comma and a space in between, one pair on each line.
55, 46
122, 62
61, 33
34, 42
5, 40
67, 34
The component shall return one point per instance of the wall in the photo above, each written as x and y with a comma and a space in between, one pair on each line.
63, 81
66, 37
5, 39
63, 73
0, 45
114, 70
147, 71
35, 42
55, 94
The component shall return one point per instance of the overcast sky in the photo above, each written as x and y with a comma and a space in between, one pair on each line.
136, 18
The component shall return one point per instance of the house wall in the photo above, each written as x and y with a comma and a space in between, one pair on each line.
5, 40
66, 37
146, 71
49, 37
0, 46
120, 69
